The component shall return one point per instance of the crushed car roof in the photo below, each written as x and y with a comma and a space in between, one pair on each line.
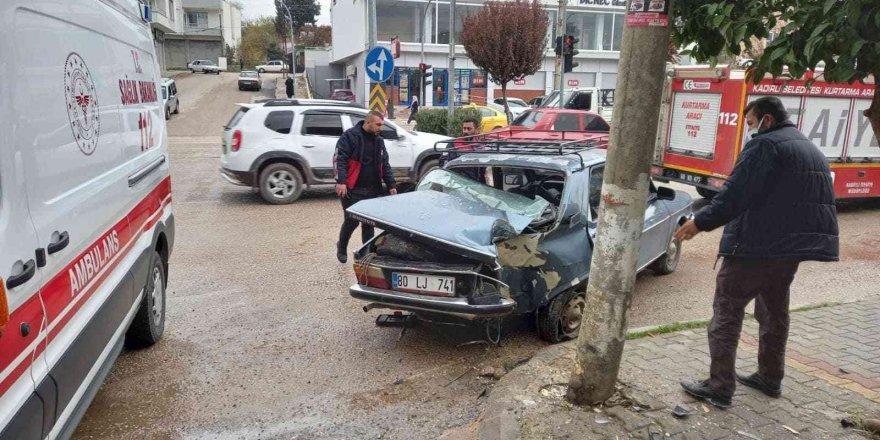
569, 163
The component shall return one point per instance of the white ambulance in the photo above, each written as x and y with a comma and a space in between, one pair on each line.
86, 226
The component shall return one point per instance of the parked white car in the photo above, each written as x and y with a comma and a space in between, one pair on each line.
281, 146
204, 66
274, 66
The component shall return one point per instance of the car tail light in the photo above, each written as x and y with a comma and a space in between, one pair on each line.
236, 140
370, 276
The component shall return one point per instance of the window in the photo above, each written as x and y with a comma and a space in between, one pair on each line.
595, 123
322, 124
164, 92
566, 122
197, 19
486, 113
236, 117
595, 30
402, 19
279, 121
528, 119
582, 101
596, 174
171, 10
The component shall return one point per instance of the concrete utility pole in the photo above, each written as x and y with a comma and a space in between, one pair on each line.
560, 31
450, 90
622, 213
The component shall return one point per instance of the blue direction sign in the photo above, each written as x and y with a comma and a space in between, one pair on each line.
379, 64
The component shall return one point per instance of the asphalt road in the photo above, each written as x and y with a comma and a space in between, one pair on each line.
263, 341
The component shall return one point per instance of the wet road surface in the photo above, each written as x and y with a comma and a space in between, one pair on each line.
263, 341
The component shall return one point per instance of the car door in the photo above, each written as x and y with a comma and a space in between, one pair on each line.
318, 133
22, 329
655, 235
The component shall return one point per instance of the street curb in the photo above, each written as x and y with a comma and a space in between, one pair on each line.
178, 74
700, 323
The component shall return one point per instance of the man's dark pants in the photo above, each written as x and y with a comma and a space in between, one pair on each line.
740, 280
349, 225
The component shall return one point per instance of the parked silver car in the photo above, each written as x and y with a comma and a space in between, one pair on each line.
204, 66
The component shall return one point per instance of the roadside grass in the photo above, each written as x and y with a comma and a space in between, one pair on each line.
702, 323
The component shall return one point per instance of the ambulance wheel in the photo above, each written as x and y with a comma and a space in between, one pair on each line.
149, 323
706, 193
280, 183
561, 319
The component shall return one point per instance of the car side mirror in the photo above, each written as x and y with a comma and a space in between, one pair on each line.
388, 134
665, 193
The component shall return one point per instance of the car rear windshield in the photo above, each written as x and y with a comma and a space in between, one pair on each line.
237, 117
248, 74
528, 119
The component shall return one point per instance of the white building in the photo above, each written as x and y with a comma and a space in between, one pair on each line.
201, 29
166, 19
597, 23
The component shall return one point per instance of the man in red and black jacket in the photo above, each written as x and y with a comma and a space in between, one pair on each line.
361, 162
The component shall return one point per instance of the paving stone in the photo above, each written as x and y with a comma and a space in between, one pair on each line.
631, 420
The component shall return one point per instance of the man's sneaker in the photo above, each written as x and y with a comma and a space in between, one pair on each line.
702, 390
340, 254
757, 382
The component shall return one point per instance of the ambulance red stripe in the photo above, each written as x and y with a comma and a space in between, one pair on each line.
57, 293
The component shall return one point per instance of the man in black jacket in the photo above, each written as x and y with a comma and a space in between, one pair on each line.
778, 208
361, 162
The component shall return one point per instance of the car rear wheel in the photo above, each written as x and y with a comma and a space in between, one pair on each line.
167, 114
149, 323
280, 183
177, 108
561, 319
262, 71
668, 262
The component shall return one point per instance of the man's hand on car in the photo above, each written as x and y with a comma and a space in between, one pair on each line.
341, 190
687, 231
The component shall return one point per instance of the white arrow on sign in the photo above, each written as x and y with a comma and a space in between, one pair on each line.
379, 67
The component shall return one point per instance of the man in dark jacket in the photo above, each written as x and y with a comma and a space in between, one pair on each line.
288, 86
778, 208
361, 162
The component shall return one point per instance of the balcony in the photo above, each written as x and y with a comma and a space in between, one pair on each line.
202, 31
203, 4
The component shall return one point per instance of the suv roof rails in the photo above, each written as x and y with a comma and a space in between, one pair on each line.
276, 102
480, 144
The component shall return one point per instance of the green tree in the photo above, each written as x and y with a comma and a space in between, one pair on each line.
507, 39
302, 12
256, 37
841, 35
273, 52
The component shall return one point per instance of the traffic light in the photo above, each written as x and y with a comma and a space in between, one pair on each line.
426, 70
558, 46
568, 52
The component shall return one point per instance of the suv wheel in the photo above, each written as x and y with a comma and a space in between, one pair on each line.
561, 319
167, 114
280, 183
428, 166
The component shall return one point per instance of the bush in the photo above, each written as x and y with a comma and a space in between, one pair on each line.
435, 120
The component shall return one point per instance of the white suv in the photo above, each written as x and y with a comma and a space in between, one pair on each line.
280, 146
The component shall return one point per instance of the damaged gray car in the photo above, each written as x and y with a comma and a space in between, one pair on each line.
506, 228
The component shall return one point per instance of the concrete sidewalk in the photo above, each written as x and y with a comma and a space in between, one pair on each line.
832, 371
